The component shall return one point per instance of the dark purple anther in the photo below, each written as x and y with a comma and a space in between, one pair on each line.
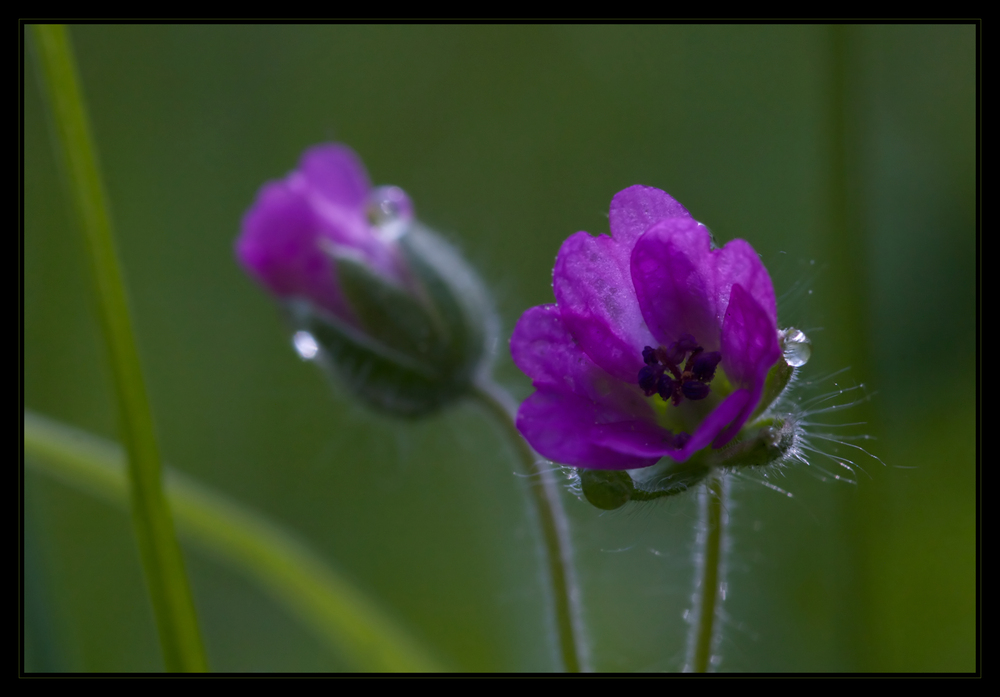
648, 378
695, 390
649, 355
674, 353
667, 389
704, 366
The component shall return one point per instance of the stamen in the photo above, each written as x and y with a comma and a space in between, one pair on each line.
649, 355
695, 390
649, 376
667, 389
704, 366
692, 382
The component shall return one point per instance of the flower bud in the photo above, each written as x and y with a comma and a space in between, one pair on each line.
390, 307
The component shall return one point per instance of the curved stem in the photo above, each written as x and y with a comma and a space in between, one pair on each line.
552, 520
169, 591
703, 634
292, 573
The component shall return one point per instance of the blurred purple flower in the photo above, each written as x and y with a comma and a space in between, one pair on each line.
325, 209
658, 344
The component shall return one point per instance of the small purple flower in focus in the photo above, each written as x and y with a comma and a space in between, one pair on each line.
658, 345
325, 209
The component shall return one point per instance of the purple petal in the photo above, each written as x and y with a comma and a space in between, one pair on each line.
749, 339
561, 427
545, 351
642, 439
737, 262
634, 438
593, 287
333, 180
675, 282
279, 246
730, 410
336, 173
749, 349
634, 209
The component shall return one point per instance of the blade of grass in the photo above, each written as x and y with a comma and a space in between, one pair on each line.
162, 562
286, 568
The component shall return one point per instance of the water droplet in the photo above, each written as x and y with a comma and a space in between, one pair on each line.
390, 210
723, 589
305, 345
796, 347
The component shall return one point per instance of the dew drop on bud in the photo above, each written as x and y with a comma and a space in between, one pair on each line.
305, 345
390, 210
796, 347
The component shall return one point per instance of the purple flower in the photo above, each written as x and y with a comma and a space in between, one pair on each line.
298, 227
658, 345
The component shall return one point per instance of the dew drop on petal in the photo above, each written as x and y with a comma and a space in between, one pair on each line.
796, 347
305, 345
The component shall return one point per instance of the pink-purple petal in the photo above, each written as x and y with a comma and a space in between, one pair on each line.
749, 339
737, 262
336, 173
675, 282
636, 438
749, 348
634, 209
561, 426
543, 348
280, 248
593, 288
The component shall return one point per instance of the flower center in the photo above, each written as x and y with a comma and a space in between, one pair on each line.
663, 374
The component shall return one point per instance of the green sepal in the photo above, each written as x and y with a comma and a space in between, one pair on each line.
388, 313
383, 377
458, 302
606, 489
611, 489
767, 442
777, 380
669, 478
412, 346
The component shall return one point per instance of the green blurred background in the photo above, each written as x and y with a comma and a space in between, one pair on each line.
845, 155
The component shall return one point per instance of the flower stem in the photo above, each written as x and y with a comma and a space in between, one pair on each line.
169, 591
292, 573
552, 520
703, 632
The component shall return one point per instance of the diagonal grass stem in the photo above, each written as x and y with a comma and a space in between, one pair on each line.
339, 612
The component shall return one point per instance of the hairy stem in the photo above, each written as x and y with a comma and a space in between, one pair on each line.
169, 591
704, 630
554, 527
